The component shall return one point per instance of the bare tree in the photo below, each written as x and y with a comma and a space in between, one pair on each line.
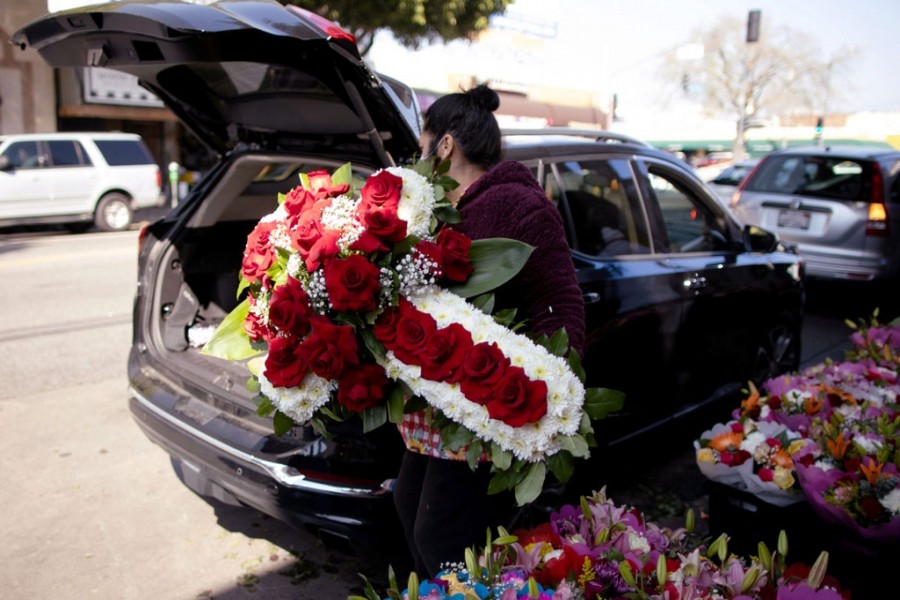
781, 73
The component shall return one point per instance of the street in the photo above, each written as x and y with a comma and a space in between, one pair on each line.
91, 507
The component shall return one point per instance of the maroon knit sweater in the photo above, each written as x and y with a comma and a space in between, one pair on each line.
508, 202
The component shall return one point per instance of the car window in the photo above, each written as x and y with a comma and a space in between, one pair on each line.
120, 153
822, 176
894, 174
688, 224
603, 206
23, 155
67, 153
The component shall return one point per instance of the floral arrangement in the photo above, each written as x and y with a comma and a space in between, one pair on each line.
836, 429
361, 299
599, 550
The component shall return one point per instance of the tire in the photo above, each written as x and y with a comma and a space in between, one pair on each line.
778, 351
113, 212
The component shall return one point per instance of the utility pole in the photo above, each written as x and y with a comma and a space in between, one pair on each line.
753, 25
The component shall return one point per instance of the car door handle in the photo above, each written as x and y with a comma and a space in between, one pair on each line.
695, 282
591, 297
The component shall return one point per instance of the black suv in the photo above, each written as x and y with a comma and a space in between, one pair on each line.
683, 305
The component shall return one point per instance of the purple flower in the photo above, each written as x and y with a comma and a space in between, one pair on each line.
803, 591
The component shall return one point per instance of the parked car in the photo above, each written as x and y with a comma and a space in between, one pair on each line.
81, 179
840, 205
683, 305
726, 183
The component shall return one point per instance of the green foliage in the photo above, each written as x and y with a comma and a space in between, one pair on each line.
411, 22
496, 261
229, 340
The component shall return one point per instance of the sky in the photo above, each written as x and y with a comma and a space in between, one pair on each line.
610, 46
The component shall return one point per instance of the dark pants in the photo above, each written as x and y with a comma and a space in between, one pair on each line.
445, 508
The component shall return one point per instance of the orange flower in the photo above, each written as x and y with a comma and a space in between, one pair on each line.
751, 404
780, 458
726, 441
845, 397
838, 446
872, 470
812, 405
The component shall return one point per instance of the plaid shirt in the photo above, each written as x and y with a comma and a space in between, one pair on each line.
420, 437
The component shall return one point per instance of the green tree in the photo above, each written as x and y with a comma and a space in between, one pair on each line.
783, 72
411, 21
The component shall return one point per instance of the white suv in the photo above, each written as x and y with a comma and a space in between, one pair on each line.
76, 178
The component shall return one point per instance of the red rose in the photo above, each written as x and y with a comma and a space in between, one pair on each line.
255, 329
322, 186
352, 284
362, 387
306, 232
455, 253
298, 200
323, 250
381, 190
413, 329
289, 309
443, 354
766, 474
871, 508
385, 224
385, 328
286, 364
368, 243
733, 459
483, 369
559, 568
259, 255
518, 400
330, 349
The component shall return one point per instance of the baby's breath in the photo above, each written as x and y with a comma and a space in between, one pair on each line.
318, 295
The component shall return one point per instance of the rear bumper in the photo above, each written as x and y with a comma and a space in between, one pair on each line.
351, 518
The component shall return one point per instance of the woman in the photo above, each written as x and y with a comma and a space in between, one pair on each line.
444, 505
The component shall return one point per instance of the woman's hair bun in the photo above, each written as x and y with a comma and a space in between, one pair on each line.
484, 97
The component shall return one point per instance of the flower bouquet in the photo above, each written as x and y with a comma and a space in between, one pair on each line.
362, 300
599, 550
752, 456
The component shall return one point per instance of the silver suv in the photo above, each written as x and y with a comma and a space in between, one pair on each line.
840, 206
80, 179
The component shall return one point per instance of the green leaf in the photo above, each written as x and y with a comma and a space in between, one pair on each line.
373, 418
501, 458
530, 487
495, 261
473, 453
395, 401
484, 303
599, 402
243, 284
574, 360
447, 214
505, 317
575, 444
504, 480
456, 437
252, 385
265, 407
559, 343
282, 423
414, 404
344, 174
425, 168
229, 340
562, 465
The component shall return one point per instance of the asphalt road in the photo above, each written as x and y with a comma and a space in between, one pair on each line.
91, 508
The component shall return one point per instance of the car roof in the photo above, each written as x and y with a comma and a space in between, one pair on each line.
521, 144
67, 135
870, 152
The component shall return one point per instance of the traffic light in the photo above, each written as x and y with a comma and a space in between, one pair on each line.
753, 25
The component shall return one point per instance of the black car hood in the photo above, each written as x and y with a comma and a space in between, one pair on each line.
238, 71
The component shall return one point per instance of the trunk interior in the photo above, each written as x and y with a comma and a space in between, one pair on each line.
197, 277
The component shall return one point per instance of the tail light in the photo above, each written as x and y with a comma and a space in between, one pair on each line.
158, 178
142, 238
877, 223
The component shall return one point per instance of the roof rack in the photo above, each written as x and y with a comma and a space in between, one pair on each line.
598, 135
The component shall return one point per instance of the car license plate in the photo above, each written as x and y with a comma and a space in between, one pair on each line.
795, 219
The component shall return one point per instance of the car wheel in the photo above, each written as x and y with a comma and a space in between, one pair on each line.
778, 351
113, 213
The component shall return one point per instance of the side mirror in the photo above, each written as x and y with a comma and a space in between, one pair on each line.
4, 163
759, 240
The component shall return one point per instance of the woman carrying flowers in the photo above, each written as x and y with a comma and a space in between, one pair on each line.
443, 504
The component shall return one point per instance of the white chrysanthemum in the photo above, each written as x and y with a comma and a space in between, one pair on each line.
416, 201
299, 403
891, 502
868, 445
565, 392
